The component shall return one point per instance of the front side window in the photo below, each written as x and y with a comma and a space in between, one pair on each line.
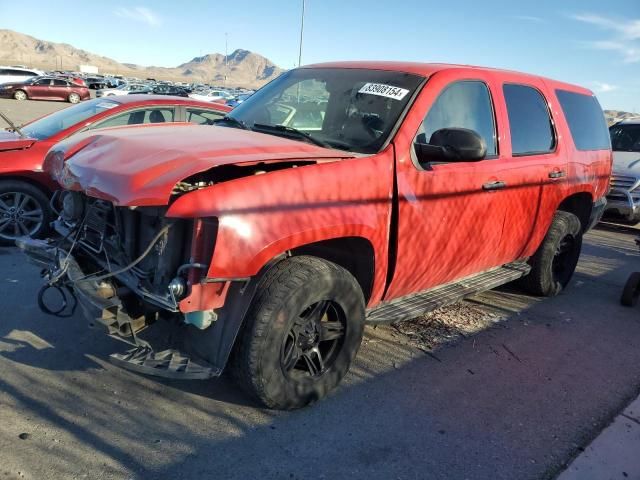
42, 82
529, 121
349, 109
464, 104
137, 117
625, 137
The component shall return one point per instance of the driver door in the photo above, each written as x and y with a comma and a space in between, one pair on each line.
450, 215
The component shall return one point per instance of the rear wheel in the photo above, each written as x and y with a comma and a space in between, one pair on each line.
24, 211
301, 333
552, 266
20, 95
74, 98
631, 290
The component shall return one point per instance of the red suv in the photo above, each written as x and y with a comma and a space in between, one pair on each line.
46, 88
336, 195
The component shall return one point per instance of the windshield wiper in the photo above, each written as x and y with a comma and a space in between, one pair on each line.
290, 131
232, 122
13, 126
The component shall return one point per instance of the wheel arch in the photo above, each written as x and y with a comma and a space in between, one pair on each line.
26, 179
580, 204
354, 254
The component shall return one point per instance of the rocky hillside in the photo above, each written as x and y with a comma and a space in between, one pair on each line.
614, 116
245, 68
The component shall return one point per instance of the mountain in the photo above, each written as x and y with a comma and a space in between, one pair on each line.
614, 116
245, 68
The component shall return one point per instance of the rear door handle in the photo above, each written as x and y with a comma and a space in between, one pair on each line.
494, 185
557, 174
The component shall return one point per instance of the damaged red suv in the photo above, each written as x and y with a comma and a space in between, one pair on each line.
336, 195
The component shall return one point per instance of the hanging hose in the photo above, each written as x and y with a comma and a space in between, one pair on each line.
65, 293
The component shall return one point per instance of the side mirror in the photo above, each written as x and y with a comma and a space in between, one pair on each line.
451, 145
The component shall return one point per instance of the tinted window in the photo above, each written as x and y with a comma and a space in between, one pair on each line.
44, 81
203, 117
151, 115
60, 83
464, 104
586, 120
625, 138
529, 121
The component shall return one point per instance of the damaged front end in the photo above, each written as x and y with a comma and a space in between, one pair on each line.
129, 268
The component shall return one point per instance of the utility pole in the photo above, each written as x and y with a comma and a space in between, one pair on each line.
226, 58
301, 34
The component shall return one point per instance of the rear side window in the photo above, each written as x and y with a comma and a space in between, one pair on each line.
625, 138
586, 120
529, 121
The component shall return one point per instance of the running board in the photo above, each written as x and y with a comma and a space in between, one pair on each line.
411, 306
167, 364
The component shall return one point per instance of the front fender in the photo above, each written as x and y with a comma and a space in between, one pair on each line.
262, 216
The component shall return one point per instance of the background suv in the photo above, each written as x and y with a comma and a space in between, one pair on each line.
624, 198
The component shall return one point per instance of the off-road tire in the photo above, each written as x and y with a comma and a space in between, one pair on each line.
20, 95
284, 292
631, 290
550, 271
37, 195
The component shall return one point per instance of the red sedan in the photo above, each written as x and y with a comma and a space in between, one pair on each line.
25, 189
46, 88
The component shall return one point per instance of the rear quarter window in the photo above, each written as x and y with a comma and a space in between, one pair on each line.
586, 120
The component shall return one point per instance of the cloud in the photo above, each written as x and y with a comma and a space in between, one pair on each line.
624, 39
601, 87
139, 14
528, 18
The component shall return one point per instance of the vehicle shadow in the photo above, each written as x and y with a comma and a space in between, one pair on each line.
516, 400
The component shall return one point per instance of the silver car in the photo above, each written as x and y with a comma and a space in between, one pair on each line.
624, 197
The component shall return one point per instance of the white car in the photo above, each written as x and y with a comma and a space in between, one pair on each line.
624, 198
212, 96
125, 89
17, 74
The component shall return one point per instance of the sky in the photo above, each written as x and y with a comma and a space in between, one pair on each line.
591, 43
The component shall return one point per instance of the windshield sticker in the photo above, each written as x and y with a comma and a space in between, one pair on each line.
382, 90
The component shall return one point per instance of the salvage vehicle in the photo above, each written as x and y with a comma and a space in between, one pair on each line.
337, 194
25, 190
623, 201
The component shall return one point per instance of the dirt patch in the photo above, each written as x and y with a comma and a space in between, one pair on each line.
446, 325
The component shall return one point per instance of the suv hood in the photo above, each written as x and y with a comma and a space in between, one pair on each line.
626, 163
140, 166
12, 141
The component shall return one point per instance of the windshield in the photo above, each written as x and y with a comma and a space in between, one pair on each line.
625, 138
62, 119
349, 109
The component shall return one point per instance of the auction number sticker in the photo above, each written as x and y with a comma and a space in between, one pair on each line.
383, 90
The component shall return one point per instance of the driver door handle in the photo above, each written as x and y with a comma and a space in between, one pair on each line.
497, 185
557, 174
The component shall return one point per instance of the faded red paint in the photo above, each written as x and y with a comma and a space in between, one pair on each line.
448, 226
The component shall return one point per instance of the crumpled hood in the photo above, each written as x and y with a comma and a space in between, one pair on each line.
13, 141
626, 163
140, 165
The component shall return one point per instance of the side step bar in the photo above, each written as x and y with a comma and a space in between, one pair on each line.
411, 306
167, 364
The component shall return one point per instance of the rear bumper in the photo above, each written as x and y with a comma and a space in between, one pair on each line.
599, 207
623, 205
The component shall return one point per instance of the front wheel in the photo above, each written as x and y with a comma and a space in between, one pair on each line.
552, 266
301, 333
74, 98
20, 95
24, 211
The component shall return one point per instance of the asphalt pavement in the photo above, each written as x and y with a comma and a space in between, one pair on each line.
518, 400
